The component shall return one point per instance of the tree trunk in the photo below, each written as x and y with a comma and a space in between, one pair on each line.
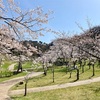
93, 70
25, 88
89, 66
80, 63
45, 70
70, 74
67, 66
19, 67
53, 73
77, 74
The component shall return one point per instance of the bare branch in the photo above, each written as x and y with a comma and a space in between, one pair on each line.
80, 27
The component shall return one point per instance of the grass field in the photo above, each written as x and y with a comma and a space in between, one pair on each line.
6, 74
13, 76
4, 70
60, 78
85, 92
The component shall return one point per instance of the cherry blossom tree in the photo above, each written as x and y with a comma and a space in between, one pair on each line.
22, 23
82, 47
88, 43
18, 25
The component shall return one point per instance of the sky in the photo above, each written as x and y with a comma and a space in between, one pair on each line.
66, 14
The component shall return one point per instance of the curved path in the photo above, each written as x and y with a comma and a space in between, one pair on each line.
6, 85
59, 86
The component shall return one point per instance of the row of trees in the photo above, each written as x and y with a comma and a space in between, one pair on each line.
76, 49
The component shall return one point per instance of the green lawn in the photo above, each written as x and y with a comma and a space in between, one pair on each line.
60, 78
5, 74
6, 64
85, 92
13, 76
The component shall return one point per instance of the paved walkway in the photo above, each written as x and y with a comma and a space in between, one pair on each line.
6, 85
45, 88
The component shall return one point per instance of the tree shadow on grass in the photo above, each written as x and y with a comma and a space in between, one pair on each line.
74, 81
